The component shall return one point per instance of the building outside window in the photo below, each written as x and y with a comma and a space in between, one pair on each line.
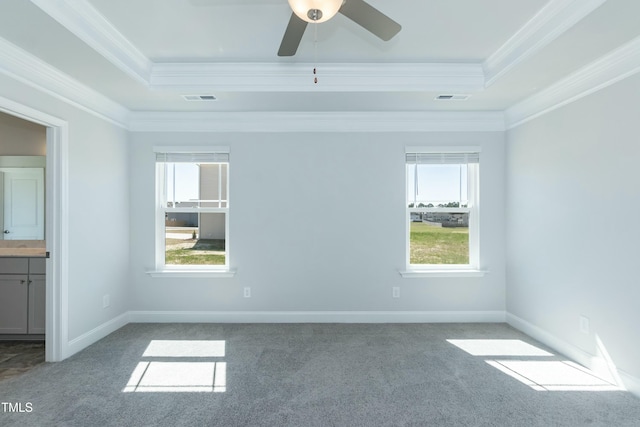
442, 203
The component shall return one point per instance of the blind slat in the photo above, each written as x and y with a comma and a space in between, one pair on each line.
192, 157
442, 158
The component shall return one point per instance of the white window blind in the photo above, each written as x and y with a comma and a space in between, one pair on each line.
442, 158
192, 157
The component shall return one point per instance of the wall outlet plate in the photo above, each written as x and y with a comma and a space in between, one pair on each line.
395, 292
106, 301
247, 292
584, 325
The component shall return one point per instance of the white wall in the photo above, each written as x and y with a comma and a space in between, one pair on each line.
572, 232
98, 209
317, 223
21, 138
98, 222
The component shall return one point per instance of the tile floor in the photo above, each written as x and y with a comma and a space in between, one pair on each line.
17, 357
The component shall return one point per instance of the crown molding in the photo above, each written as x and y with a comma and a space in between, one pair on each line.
90, 26
605, 71
490, 121
549, 23
333, 77
28, 69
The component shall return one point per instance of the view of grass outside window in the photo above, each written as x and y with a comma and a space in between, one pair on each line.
433, 244
185, 246
195, 206
439, 207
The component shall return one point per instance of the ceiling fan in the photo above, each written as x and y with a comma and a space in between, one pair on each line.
317, 11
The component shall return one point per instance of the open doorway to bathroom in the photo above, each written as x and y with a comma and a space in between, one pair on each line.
23, 151
54, 266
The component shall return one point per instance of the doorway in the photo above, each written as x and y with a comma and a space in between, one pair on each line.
55, 234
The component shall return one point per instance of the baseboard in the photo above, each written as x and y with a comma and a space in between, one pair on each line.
593, 362
96, 334
317, 316
572, 352
22, 337
631, 383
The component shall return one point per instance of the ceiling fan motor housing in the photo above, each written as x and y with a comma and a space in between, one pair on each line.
314, 14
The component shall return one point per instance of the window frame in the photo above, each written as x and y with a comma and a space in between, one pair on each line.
471, 269
161, 209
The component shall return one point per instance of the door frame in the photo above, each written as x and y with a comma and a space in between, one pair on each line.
56, 225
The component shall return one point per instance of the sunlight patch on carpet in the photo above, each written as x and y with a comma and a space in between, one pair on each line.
179, 366
552, 375
498, 347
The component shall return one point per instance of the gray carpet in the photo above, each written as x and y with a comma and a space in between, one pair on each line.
308, 375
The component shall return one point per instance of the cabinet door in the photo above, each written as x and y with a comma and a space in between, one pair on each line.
13, 304
37, 304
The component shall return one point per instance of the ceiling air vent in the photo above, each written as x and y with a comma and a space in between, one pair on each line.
199, 97
452, 97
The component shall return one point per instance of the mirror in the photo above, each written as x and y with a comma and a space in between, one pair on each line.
22, 197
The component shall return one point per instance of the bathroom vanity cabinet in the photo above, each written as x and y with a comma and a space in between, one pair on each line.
22, 295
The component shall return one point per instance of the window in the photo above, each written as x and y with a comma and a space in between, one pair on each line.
192, 214
442, 209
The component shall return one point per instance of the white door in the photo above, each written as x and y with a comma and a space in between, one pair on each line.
23, 204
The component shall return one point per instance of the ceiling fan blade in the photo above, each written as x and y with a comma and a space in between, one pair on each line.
370, 18
292, 36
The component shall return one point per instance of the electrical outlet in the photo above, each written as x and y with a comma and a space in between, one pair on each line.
106, 301
396, 292
584, 325
247, 292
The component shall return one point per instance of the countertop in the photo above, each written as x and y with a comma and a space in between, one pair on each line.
23, 252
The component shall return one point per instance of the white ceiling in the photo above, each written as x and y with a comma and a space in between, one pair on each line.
145, 54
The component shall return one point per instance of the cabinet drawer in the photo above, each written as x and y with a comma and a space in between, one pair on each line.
37, 266
11, 265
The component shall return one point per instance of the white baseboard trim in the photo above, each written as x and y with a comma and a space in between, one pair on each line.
96, 334
561, 346
631, 383
597, 364
317, 316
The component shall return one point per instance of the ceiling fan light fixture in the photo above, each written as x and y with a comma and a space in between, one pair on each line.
315, 10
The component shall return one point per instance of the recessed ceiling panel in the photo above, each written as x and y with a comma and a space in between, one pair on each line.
251, 30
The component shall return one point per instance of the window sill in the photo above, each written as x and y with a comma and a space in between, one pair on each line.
417, 273
192, 273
